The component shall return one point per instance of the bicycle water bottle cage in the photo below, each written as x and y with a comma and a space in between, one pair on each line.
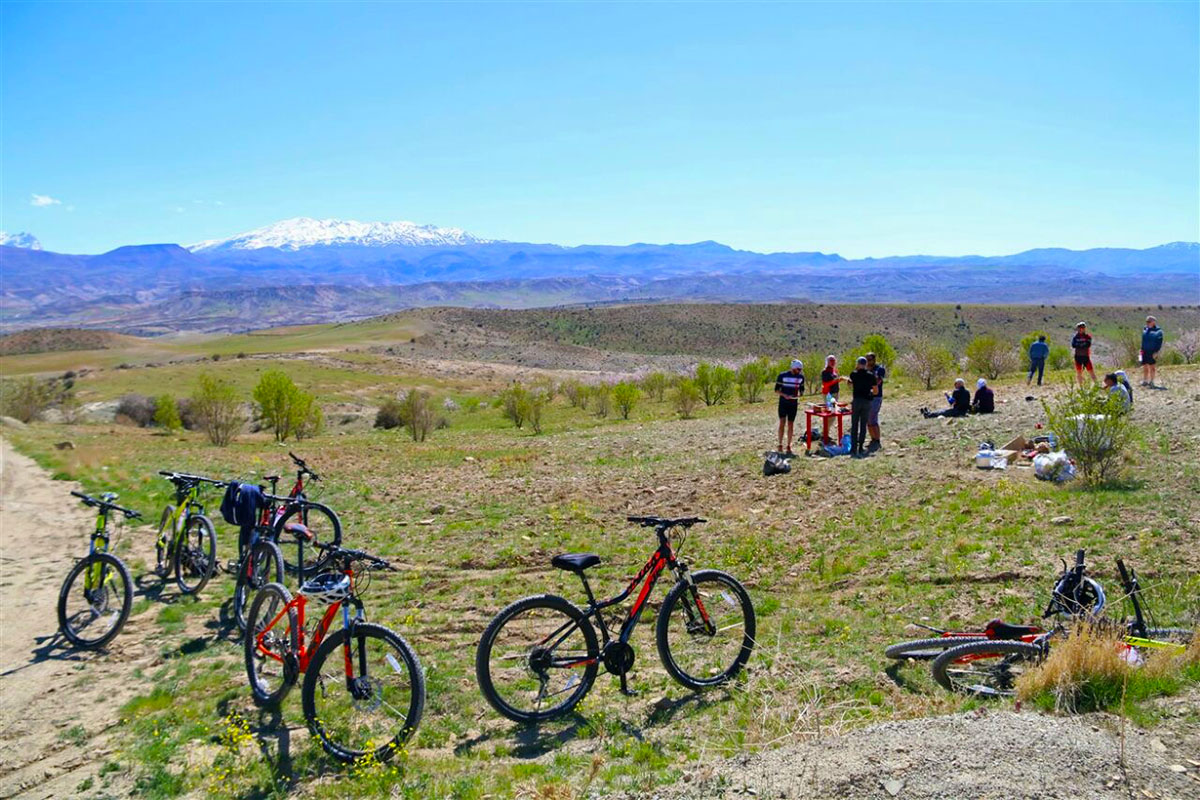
327, 588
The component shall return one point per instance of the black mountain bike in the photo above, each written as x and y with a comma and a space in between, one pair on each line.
539, 656
263, 561
98, 593
319, 520
187, 540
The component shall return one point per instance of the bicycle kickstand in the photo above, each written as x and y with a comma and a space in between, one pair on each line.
625, 690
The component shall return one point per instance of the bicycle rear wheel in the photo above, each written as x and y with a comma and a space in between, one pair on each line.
928, 649
322, 522
95, 601
162, 566
705, 630
370, 708
271, 644
263, 565
195, 554
988, 668
537, 659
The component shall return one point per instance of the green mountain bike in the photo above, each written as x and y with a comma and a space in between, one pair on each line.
187, 541
98, 592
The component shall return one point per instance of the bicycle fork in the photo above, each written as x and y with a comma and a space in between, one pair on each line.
358, 686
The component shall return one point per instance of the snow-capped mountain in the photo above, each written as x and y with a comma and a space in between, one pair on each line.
22, 239
302, 232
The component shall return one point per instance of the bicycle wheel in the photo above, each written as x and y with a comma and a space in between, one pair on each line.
195, 554
379, 708
263, 565
537, 658
94, 601
162, 564
705, 629
322, 523
928, 649
989, 668
271, 644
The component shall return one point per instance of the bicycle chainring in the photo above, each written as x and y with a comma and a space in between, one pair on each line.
618, 657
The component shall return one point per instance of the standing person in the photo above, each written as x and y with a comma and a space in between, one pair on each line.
985, 399
1039, 351
790, 387
1082, 342
876, 403
830, 379
1152, 342
865, 387
959, 402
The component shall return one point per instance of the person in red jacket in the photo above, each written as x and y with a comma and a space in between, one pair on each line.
1082, 342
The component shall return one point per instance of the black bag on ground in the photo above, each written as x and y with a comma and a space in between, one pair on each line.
776, 464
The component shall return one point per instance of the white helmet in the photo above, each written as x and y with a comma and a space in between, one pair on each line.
327, 588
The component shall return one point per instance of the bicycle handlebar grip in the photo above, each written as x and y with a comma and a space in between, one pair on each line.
1124, 574
1079, 558
81, 494
168, 474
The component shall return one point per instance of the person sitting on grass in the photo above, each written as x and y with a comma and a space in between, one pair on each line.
985, 399
1123, 379
1113, 386
959, 402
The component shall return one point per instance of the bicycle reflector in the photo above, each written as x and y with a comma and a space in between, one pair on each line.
327, 588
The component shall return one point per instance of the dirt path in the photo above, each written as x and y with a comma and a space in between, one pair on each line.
57, 706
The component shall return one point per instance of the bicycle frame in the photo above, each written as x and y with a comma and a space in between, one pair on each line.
98, 543
186, 500
304, 652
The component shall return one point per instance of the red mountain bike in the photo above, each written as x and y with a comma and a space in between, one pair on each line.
364, 689
539, 656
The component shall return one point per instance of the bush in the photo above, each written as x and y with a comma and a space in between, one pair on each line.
187, 414
686, 398
1094, 428
471, 404
927, 362
284, 407
1129, 349
988, 356
137, 408
752, 377
390, 415
417, 411
25, 399
521, 405
576, 393
875, 343
626, 395
217, 410
166, 413
1188, 345
655, 385
714, 381
1060, 357
602, 399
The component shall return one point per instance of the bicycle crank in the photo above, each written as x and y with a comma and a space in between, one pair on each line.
617, 657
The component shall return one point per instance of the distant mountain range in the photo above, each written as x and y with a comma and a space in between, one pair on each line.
307, 270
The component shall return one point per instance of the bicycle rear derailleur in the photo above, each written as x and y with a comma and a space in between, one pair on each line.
618, 660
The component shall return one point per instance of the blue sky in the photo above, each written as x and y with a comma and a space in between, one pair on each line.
863, 129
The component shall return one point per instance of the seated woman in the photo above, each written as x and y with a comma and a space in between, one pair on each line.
1113, 385
985, 399
959, 402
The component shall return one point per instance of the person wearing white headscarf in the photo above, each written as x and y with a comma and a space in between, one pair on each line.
985, 399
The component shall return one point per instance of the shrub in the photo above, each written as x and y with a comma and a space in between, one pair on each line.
187, 413
284, 407
1060, 357
655, 385
417, 411
307, 417
988, 356
1094, 428
714, 381
25, 398
576, 393
1188, 345
71, 408
137, 408
1128, 350
752, 377
686, 398
927, 362
626, 395
390, 415
875, 343
514, 402
471, 404
602, 399
217, 410
166, 413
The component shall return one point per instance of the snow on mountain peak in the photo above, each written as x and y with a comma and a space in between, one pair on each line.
301, 232
22, 239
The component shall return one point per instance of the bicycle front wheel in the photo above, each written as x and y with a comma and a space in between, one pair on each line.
95, 601
195, 554
322, 523
928, 649
364, 693
988, 668
263, 565
272, 645
537, 659
706, 630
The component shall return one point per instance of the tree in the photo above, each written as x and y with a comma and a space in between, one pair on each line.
166, 413
655, 385
284, 407
1023, 348
307, 417
1188, 345
417, 411
878, 344
25, 399
686, 398
514, 402
217, 409
988, 356
714, 381
752, 377
1094, 429
927, 362
602, 399
576, 393
626, 395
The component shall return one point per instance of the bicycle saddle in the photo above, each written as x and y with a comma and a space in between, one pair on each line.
999, 629
271, 478
575, 562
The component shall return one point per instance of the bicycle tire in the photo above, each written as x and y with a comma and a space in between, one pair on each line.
663, 631
948, 667
64, 624
288, 642
927, 649
163, 542
416, 701
266, 566
483, 672
199, 562
301, 512
1177, 635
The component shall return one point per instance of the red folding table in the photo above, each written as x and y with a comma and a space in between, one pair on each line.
825, 415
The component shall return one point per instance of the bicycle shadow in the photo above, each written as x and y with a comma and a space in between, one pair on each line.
533, 740
55, 647
225, 627
154, 587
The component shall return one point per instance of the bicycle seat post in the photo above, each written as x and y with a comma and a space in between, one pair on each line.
587, 589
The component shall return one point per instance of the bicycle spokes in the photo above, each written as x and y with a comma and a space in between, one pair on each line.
536, 659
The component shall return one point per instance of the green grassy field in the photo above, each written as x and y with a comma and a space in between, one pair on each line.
839, 557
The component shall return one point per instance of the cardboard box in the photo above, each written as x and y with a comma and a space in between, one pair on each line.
1017, 445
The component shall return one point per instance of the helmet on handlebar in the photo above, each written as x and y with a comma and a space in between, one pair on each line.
327, 588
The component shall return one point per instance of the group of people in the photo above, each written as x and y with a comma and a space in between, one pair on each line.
866, 381
960, 403
1081, 344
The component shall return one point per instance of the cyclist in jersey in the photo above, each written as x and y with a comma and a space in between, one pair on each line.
790, 388
1082, 343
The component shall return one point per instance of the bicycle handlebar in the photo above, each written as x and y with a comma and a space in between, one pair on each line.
665, 522
338, 551
106, 504
304, 468
183, 477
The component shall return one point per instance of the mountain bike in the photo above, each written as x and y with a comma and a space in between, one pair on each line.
187, 541
540, 655
92, 611
1074, 595
263, 561
319, 520
364, 689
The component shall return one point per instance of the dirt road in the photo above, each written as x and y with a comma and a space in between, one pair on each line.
57, 706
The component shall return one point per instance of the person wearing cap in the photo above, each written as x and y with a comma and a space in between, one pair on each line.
790, 387
1113, 386
1123, 379
876, 402
985, 399
1082, 343
959, 402
866, 387
1152, 342
1039, 351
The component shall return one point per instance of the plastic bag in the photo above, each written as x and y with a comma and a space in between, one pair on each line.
1053, 467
